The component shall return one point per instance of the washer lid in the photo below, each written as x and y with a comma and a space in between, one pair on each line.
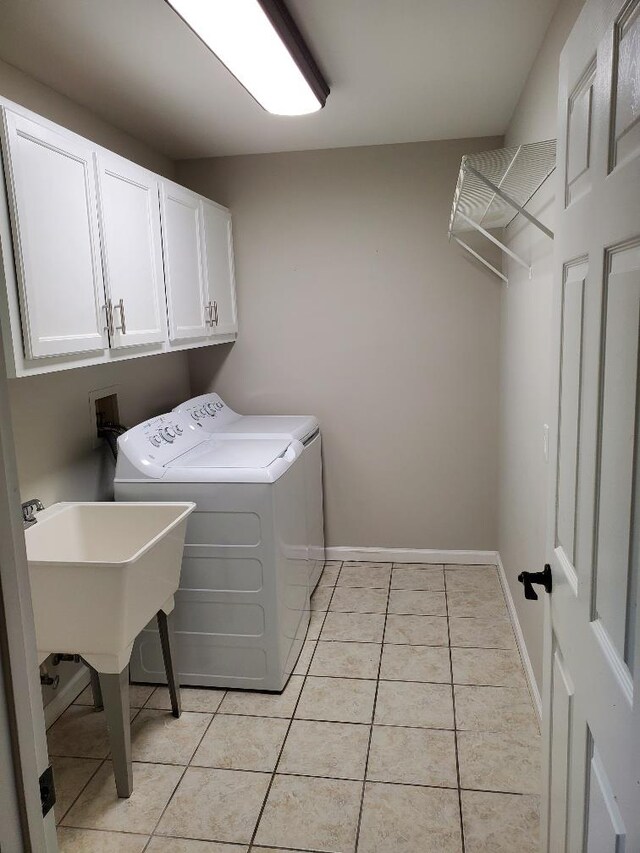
298, 427
231, 453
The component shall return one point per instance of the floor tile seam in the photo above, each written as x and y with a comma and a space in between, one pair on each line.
411, 785
182, 775
396, 613
193, 752
341, 677
259, 847
386, 725
87, 757
373, 717
79, 794
358, 612
496, 791
241, 845
506, 731
367, 642
291, 719
455, 721
184, 710
136, 708
116, 831
488, 684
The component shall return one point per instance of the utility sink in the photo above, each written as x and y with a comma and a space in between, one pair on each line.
100, 572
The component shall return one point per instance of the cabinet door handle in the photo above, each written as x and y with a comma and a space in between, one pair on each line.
123, 322
108, 312
215, 308
208, 321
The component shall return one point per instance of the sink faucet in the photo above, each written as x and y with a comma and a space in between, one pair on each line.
29, 509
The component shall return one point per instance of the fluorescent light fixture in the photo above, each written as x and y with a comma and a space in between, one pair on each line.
259, 43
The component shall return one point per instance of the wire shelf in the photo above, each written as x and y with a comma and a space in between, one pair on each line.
493, 187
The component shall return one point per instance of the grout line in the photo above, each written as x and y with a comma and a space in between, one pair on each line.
81, 791
137, 833
455, 722
182, 775
373, 716
291, 719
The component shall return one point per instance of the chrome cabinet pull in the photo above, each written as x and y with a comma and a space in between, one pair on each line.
215, 308
108, 312
208, 321
123, 322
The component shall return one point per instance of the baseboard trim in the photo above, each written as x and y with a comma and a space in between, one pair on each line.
65, 696
522, 647
412, 555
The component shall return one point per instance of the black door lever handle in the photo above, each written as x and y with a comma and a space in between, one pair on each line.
527, 579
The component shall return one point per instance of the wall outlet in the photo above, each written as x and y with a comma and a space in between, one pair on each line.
103, 408
545, 439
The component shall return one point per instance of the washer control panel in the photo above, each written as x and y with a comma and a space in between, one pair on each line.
160, 440
209, 410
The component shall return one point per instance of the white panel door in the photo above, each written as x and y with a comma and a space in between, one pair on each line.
220, 267
131, 252
51, 183
184, 263
592, 663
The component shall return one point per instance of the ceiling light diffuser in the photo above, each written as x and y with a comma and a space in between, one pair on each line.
259, 43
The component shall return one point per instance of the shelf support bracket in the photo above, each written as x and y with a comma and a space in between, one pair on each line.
480, 258
497, 242
505, 197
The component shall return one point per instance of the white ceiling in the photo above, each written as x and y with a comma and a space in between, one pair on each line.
399, 70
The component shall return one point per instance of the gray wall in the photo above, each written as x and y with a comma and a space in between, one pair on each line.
353, 306
525, 364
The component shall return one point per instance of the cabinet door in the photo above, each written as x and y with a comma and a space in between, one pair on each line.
220, 267
184, 263
51, 185
131, 252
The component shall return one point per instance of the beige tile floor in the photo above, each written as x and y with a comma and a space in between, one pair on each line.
407, 727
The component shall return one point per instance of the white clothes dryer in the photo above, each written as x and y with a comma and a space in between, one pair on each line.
242, 608
219, 419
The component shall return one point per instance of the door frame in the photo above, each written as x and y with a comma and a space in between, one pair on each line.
24, 722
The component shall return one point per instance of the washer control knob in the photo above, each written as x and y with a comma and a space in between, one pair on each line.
195, 414
178, 429
211, 409
155, 440
203, 412
169, 433
219, 406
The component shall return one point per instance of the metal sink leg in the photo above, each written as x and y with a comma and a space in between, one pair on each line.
167, 641
115, 695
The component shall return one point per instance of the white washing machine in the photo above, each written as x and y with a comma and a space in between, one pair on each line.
242, 609
217, 418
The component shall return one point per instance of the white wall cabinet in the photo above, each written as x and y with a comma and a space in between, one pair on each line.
199, 267
184, 263
220, 274
54, 219
131, 252
100, 259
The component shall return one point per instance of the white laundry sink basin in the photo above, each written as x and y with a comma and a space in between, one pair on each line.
100, 572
